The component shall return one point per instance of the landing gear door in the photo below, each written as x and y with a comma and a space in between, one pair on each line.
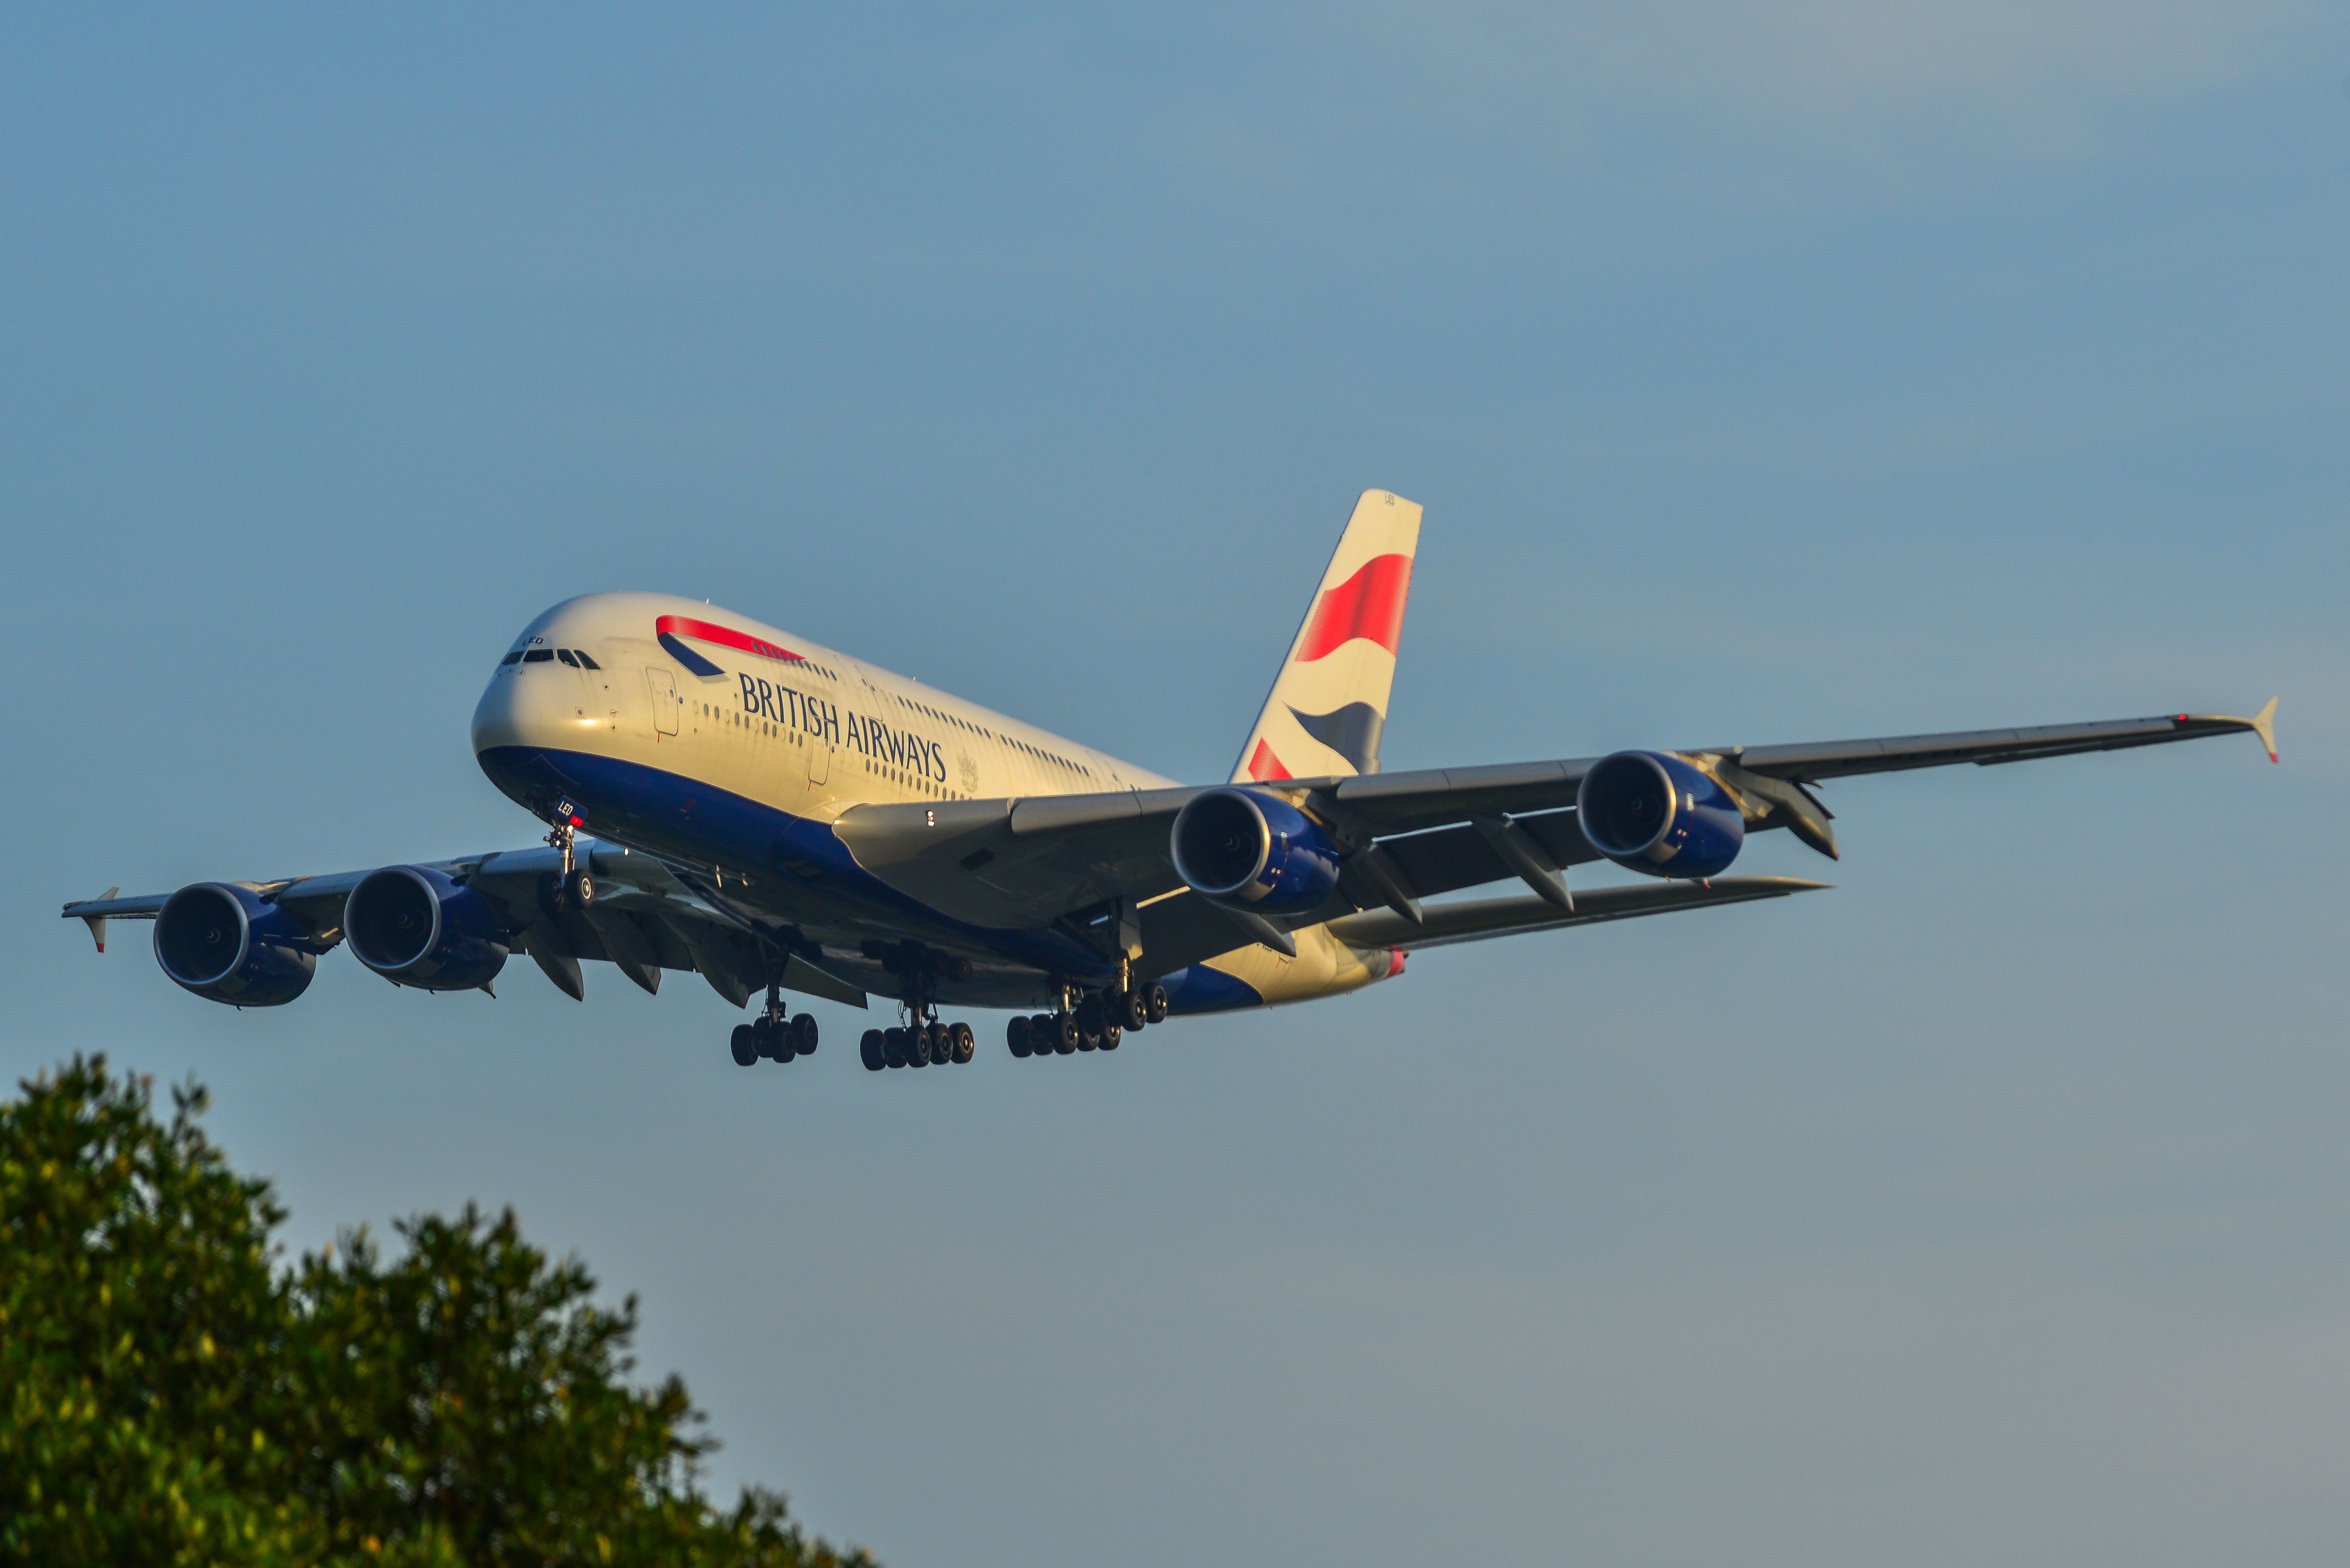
664, 691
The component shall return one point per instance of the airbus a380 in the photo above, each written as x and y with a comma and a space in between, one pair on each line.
726, 797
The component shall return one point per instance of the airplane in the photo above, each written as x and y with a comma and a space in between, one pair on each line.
728, 798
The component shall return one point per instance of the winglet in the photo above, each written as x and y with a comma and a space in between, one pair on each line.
2264, 726
97, 924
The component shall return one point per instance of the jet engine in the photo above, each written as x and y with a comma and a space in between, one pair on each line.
1253, 850
1652, 812
414, 926
228, 944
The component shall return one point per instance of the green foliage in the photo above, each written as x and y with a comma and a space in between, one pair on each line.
174, 1397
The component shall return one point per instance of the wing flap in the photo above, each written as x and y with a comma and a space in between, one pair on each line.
1480, 920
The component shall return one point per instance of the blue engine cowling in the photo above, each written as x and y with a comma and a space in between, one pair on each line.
1652, 812
413, 926
228, 944
1256, 850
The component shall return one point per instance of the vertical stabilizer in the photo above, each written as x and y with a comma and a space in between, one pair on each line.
1330, 700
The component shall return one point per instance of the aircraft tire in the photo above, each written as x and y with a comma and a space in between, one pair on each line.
893, 1047
1110, 1035
1065, 1035
917, 1047
1015, 1035
579, 889
1131, 1012
1154, 1003
966, 1045
745, 1042
803, 1034
868, 1051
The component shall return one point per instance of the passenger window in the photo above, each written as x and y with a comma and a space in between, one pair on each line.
539, 656
514, 657
586, 662
565, 654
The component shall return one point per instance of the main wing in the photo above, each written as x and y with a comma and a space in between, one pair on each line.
1080, 859
642, 920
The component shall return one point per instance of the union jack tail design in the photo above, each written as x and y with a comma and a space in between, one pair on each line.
1330, 700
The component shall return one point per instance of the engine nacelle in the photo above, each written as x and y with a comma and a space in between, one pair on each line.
228, 944
1650, 812
1254, 850
413, 926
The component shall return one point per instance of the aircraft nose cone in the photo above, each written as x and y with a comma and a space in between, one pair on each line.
520, 707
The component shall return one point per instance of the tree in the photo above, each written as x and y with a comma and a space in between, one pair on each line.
175, 1396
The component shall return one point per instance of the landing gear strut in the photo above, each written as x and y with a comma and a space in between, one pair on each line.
574, 888
1088, 1021
773, 1035
923, 1039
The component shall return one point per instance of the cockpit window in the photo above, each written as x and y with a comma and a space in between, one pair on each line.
565, 654
514, 657
538, 656
586, 662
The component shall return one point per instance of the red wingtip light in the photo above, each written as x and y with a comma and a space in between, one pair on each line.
2179, 718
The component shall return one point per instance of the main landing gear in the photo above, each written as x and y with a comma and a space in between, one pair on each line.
923, 1040
918, 1045
1099, 1021
772, 1035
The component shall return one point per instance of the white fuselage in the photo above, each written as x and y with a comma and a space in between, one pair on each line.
698, 697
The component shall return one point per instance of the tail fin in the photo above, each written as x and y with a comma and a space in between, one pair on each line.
1330, 700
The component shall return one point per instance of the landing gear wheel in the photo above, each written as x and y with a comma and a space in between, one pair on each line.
579, 889
1064, 1035
917, 1047
1154, 1003
1111, 1035
745, 1045
802, 1035
868, 1051
893, 1047
966, 1045
1015, 1035
1089, 1040
1131, 1012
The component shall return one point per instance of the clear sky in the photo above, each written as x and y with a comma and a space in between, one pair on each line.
1768, 373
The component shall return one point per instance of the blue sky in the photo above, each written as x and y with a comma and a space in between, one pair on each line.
1768, 373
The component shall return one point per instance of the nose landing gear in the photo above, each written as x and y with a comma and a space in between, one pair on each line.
574, 888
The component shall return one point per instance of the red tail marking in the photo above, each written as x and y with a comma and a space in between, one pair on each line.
724, 635
1368, 604
1263, 765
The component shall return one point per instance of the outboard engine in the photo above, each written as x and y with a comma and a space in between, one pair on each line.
1652, 812
1254, 850
413, 926
228, 944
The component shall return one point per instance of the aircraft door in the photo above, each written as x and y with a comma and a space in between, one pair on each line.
664, 691
819, 752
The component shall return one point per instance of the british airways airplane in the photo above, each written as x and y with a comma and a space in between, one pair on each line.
728, 798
